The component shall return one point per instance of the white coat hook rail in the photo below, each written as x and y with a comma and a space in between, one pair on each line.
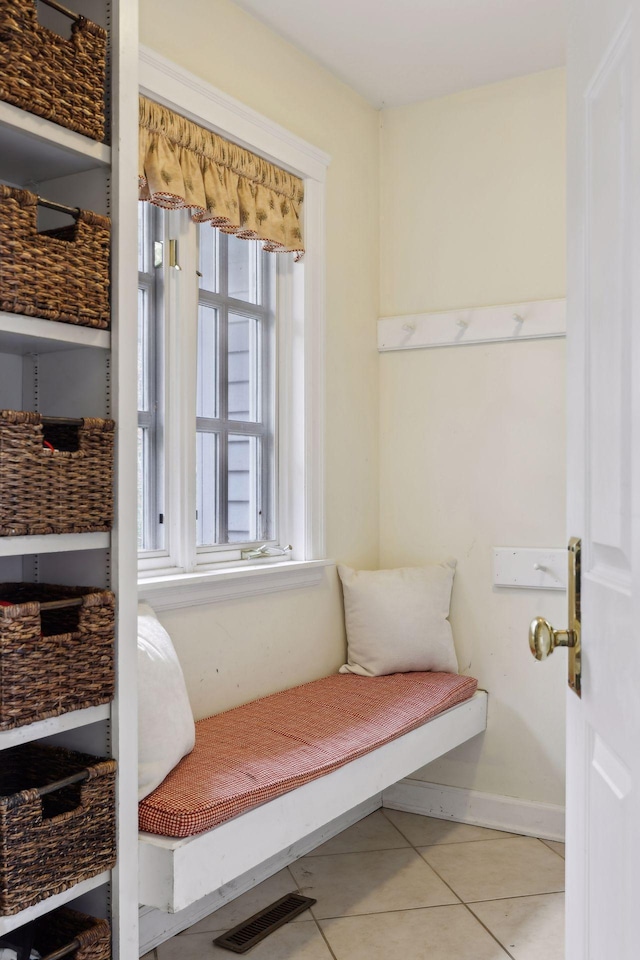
512, 321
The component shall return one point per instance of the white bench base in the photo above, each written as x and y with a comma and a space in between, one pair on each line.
156, 926
176, 873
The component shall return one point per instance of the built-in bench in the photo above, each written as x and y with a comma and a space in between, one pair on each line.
264, 776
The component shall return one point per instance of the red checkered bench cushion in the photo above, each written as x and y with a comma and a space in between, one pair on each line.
258, 751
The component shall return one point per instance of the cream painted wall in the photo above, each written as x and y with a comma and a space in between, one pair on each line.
471, 446
234, 652
256, 645
472, 197
472, 438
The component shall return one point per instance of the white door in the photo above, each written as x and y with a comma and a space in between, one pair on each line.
603, 802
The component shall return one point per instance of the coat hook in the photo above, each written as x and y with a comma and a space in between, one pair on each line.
462, 323
517, 318
409, 326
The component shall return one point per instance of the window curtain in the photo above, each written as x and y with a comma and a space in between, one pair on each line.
183, 165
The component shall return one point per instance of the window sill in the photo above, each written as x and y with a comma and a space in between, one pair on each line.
191, 589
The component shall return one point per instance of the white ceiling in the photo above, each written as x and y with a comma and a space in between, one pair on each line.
402, 51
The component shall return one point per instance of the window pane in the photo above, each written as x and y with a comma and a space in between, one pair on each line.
150, 530
208, 246
143, 349
243, 494
244, 269
207, 376
143, 464
143, 228
242, 389
206, 495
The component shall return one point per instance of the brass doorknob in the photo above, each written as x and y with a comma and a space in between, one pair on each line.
543, 639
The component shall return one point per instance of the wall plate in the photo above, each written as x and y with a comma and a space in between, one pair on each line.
534, 568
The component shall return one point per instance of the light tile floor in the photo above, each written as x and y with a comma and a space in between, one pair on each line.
402, 887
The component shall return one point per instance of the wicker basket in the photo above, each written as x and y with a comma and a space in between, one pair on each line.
42, 72
56, 476
62, 933
59, 274
56, 650
57, 822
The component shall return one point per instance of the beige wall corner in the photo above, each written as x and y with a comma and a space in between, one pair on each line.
472, 442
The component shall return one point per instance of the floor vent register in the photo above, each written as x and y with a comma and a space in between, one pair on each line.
261, 924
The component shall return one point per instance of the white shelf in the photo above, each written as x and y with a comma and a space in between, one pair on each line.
47, 728
51, 903
21, 335
35, 149
53, 543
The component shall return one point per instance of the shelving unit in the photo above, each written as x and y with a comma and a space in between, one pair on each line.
65, 370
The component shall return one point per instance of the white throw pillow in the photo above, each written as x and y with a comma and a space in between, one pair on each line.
396, 620
166, 730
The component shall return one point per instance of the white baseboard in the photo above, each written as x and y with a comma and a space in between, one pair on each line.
157, 926
544, 820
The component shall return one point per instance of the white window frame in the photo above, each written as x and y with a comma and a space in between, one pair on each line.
154, 484
166, 579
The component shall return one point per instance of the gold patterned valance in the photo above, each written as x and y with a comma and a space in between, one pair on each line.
183, 165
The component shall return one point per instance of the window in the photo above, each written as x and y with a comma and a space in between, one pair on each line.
206, 300
231, 411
